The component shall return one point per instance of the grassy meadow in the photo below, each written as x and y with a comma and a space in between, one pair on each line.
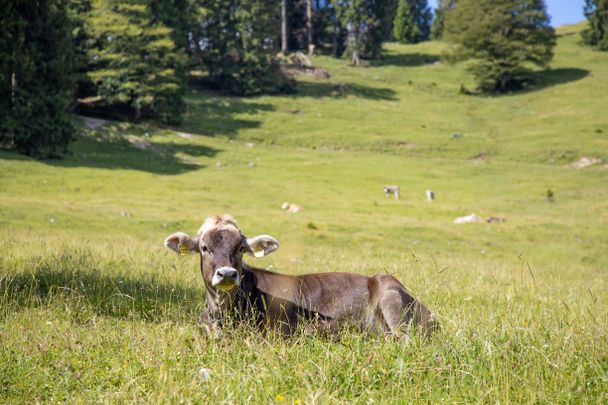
93, 308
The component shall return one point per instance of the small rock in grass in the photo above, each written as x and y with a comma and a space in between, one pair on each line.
204, 373
468, 218
496, 219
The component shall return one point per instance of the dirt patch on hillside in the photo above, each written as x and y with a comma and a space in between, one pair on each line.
584, 162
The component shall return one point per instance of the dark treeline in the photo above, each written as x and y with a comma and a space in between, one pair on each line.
134, 58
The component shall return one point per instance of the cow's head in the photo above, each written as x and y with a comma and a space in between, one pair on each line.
221, 246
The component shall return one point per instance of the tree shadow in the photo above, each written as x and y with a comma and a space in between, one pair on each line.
93, 292
135, 154
553, 77
536, 81
110, 147
405, 59
342, 90
212, 114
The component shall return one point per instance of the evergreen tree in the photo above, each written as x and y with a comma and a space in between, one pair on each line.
179, 15
36, 76
412, 22
327, 34
596, 34
134, 61
503, 37
76, 12
363, 22
442, 9
238, 44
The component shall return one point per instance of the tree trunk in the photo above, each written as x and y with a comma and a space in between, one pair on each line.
284, 47
356, 60
336, 37
13, 79
353, 38
311, 45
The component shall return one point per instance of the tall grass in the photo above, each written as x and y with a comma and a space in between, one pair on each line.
94, 309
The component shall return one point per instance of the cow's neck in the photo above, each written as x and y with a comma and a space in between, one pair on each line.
236, 302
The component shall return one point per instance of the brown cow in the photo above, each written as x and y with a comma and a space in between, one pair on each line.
327, 300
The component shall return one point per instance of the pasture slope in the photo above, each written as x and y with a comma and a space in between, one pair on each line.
94, 309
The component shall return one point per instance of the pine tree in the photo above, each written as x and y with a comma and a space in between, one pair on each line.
36, 76
363, 22
503, 38
442, 9
239, 44
134, 61
178, 15
412, 22
596, 34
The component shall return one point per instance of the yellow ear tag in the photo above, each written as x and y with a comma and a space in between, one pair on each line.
259, 252
183, 249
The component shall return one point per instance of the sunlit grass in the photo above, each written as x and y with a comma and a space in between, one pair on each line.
94, 309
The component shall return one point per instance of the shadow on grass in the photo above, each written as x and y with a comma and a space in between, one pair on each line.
340, 90
405, 59
90, 292
110, 148
539, 80
553, 77
211, 114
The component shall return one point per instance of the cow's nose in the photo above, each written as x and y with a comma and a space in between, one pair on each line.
227, 272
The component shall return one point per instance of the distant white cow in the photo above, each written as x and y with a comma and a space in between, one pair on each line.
430, 196
394, 190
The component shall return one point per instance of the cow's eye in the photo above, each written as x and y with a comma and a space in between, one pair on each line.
205, 249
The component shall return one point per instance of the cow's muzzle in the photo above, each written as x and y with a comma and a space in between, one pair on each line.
225, 278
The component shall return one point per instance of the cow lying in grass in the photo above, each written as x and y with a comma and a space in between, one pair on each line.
325, 301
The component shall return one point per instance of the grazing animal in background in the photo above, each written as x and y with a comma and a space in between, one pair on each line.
322, 302
394, 190
291, 207
430, 195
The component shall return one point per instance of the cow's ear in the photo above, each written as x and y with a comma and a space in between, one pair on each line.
181, 243
262, 245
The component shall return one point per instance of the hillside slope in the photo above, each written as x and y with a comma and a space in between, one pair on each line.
94, 308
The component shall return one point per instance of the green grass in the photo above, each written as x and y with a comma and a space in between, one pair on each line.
94, 308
